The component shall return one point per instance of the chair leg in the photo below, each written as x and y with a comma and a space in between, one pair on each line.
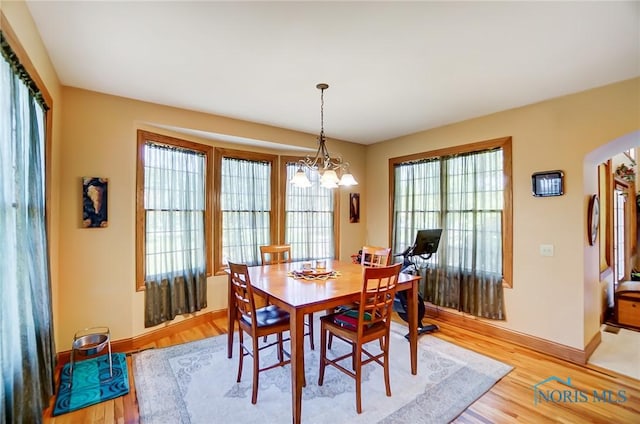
256, 370
387, 382
323, 354
266, 302
241, 355
280, 348
330, 340
353, 356
310, 318
357, 352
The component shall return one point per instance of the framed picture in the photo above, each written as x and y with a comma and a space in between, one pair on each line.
548, 183
354, 207
94, 202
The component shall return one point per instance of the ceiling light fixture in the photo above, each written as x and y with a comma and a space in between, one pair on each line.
323, 163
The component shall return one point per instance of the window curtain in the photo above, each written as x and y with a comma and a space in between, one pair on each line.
27, 351
176, 278
463, 196
309, 219
416, 201
470, 263
245, 202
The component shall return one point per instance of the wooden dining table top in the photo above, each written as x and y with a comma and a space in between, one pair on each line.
279, 282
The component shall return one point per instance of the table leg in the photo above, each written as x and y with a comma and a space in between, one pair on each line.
413, 325
297, 363
230, 320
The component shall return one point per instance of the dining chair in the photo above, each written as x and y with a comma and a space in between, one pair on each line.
273, 254
375, 256
371, 256
370, 322
256, 322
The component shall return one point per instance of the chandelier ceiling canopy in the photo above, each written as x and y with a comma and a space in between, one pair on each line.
328, 167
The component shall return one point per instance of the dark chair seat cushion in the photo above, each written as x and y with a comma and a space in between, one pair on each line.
269, 315
348, 319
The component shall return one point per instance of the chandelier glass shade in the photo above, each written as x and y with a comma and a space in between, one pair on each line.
333, 171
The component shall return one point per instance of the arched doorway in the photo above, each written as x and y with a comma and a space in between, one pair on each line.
617, 245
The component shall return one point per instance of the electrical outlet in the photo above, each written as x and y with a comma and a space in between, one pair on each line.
546, 250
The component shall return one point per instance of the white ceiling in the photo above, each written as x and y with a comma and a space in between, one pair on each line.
394, 68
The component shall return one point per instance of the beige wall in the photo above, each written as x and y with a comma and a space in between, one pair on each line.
97, 265
554, 298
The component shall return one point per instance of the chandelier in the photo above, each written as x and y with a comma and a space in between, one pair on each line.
322, 162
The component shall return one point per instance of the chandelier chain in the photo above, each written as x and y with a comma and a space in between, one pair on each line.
322, 113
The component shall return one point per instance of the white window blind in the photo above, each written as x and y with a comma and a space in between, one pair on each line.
309, 219
245, 204
174, 203
463, 195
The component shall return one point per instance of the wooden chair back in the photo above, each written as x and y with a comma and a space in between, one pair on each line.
242, 290
374, 256
275, 254
378, 292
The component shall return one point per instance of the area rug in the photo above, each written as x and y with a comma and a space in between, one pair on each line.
92, 383
196, 383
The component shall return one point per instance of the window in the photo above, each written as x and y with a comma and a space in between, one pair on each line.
173, 207
310, 216
246, 195
621, 224
466, 192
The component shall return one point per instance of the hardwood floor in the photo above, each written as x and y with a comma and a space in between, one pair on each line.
511, 400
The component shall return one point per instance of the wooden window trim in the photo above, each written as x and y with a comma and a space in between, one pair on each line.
507, 220
284, 161
605, 192
142, 138
219, 154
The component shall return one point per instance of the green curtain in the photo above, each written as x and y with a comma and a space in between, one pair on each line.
27, 351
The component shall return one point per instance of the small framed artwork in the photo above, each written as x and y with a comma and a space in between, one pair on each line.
354, 207
94, 202
547, 183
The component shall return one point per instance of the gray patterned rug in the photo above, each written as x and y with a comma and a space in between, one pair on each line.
196, 383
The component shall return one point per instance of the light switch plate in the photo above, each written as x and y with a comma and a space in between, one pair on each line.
546, 250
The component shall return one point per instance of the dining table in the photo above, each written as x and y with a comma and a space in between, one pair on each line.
340, 283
